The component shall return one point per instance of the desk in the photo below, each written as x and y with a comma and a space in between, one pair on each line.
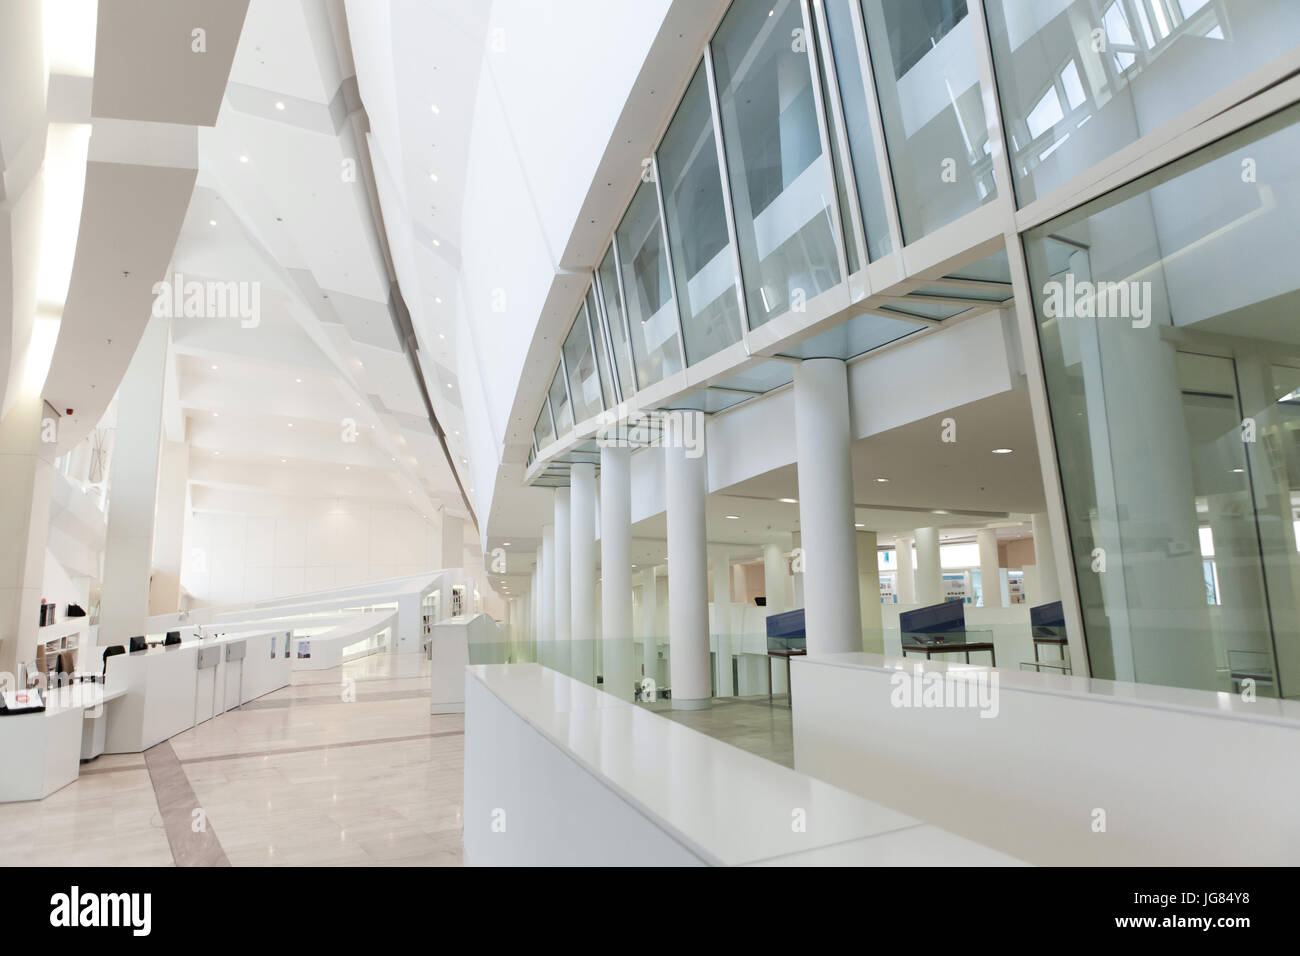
793, 652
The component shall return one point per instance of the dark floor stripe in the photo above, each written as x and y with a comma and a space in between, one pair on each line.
313, 747
177, 803
89, 771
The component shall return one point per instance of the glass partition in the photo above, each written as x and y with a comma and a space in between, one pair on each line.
923, 55
697, 226
559, 396
652, 314
607, 275
544, 430
598, 346
850, 78
1080, 80
1166, 315
584, 379
781, 186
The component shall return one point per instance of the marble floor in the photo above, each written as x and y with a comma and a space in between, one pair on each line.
344, 766
750, 723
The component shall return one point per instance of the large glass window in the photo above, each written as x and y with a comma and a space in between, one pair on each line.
697, 226
598, 345
608, 276
559, 396
544, 429
923, 55
584, 378
652, 314
857, 123
781, 187
1081, 79
1166, 316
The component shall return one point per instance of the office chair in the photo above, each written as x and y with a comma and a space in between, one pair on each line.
112, 651
139, 644
173, 637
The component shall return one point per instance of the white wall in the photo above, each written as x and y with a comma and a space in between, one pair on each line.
305, 545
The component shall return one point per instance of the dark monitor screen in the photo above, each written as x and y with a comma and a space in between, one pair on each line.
1047, 615
139, 644
786, 624
937, 618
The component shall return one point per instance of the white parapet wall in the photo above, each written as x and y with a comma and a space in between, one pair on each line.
559, 773
1057, 770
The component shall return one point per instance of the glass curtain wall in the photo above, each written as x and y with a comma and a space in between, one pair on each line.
1079, 80
607, 274
584, 378
781, 185
559, 396
1166, 317
647, 289
598, 346
701, 250
923, 55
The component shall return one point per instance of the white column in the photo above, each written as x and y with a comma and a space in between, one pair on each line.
906, 570
686, 480
169, 528
616, 570
650, 626
722, 623
582, 571
1048, 584
833, 610
546, 599
563, 594
873, 635
929, 577
453, 541
990, 583
776, 581
128, 546
26, 477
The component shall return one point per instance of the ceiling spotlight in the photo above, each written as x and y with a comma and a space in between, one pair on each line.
283, 460
433, 177
215, 415
859, 526
505, 544
291, 424
788, 501
438, 299
243, 159
449, 384
732, 517
279, 104
433, 107
883, 481
298, 380
214, 368
938, 511
347, 467
216, 453
436, 242
212, 222
1001, 451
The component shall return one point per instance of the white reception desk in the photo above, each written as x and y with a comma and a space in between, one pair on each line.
559, 773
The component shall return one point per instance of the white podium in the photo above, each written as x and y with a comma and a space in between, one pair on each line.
450, 652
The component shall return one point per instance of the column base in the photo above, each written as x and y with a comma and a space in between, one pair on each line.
702, 703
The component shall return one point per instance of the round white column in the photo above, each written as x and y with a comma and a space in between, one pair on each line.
546, 599
563, 595
582, 571
929, 577
722, 623
776, 581
686, 481
990, 576
833, 611
616, 570
650, 626
1047, 581
906, 570
873, 627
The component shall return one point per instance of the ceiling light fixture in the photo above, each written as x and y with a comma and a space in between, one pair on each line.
883, 481
433, 177
1002, 451
788, 501
243, 159
279, 104
732, 517
212, 222
433, 107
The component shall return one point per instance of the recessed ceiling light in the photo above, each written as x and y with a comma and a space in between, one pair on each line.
788, 501
859, 526
1238, 471
298, 380
215, 415
438, 299
938, 511
212, 222
243, 159
1002, 451
433, 107
441, 336
732, 517
279, 104
216, 453
506, 544
291, 424
347, 467
283, 460
433, 177
436, 242
449, 384
214, 368
883, 481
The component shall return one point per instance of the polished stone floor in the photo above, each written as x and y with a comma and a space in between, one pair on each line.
344, 766
750, 723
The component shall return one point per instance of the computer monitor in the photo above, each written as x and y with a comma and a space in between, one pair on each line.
138, 644
173, 637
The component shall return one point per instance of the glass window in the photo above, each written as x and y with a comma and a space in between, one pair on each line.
544, 430
697, 226
860, 334
1069, 101
560, 403
1166, 317
652, 314
923, 55
857, 123
617, 329
781, 186
584, 379
602, 361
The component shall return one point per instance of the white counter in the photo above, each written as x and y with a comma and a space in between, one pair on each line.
559, 773
327, 649
1066, 770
